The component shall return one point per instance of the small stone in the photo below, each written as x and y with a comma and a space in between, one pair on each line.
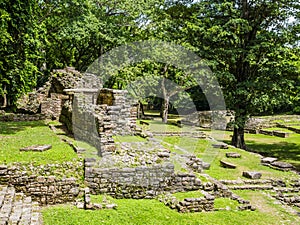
268, 160
282, 165
97, 206
205, 165
233, 155
227, 165
252, 175
36, 148
111, 206
80, 205
222, 146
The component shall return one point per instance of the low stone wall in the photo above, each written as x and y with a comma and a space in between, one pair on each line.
182, 134
10, 117
196, 204
138, 182
204, 119
40, 183
289, 128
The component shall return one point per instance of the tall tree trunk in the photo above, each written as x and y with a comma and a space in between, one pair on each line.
4, 105
141, 112
165, 109
166, 99
238, 139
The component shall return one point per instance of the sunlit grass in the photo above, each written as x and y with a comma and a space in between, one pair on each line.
16, 135
153, 212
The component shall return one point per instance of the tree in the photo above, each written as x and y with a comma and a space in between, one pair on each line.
248, 45
20, 48
80, 31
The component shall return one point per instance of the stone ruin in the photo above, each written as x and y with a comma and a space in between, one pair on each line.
95, 114
92, 113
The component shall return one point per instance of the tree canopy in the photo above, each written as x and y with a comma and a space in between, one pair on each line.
252, 46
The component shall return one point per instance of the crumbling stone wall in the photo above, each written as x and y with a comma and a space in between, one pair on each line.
41, 184
21, 117
113, 114
120, 109
138, 182
204, 119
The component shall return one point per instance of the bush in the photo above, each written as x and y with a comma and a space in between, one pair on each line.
296, 110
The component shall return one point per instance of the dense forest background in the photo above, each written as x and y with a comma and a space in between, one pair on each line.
252, 46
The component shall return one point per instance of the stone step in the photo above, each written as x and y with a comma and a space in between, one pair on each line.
251, 187
16, 208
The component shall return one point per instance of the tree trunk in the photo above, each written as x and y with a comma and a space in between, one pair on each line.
238, 139
141, 112
166, 99
4, 98
165, 109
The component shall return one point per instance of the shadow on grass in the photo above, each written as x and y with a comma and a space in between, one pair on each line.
7, 128
283, 151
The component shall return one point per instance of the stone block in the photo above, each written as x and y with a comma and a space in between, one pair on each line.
36, 148
268, 160
227, 165
233, 155
221, 145
252, 175
282, 165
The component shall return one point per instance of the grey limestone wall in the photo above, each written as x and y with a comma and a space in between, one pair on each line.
21, 117
113, 114
138, 182
40, 183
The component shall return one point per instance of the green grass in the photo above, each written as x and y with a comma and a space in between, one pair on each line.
200, 147
285, 149
157, 126
192, 145
150, 212
222, 203
296, 126
248, 162
278, 129
101, 198
16, 135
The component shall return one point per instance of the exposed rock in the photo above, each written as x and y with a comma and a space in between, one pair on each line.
281, 134
221, 145
282, 165
205, 165
233, 155
252, 175
36, 148
268, 160
111, 206
227, 165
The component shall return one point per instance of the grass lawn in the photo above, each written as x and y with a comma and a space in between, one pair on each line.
285, 149
157, 126
16, 135
153, 212
248, 161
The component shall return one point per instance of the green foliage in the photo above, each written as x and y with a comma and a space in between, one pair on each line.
21, 35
